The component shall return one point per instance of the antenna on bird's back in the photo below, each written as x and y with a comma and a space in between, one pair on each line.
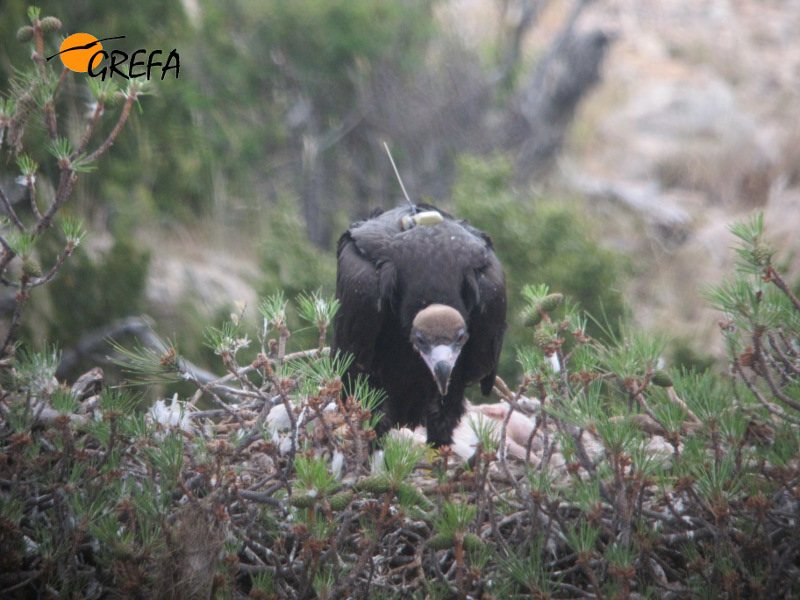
428, 217
399, 179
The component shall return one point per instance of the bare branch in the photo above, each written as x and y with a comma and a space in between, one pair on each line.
123, 117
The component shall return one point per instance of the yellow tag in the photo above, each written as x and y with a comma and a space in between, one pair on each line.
428, 217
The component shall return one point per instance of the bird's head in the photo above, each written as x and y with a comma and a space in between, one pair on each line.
439, 333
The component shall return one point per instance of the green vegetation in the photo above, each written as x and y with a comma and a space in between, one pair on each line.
271, 139
49, 163
604, 475
539, 239
634, 480
90, 292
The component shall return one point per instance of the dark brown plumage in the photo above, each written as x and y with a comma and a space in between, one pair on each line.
423, 312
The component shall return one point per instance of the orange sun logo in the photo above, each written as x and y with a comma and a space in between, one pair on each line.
78, 49
82, 52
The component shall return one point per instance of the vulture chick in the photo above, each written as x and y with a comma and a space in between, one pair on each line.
423, 311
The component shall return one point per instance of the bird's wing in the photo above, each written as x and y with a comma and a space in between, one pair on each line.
487, 320
358, 287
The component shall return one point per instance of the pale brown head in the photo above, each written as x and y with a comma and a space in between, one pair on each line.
438, 333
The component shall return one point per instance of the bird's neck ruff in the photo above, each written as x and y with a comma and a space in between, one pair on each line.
428, 217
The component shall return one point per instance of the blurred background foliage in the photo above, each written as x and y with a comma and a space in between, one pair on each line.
272, 140
110, 284
541, 240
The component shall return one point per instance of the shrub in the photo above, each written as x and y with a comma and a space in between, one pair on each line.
635, 482
539, 240
50, 157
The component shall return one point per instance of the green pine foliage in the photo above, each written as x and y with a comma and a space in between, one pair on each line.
281, 490
48, 155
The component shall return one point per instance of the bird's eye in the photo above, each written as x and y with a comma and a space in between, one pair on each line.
462, 338
419, 339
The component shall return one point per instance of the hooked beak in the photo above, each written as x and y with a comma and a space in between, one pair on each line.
441, 361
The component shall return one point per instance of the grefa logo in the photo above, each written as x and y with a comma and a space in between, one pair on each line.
83, 52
